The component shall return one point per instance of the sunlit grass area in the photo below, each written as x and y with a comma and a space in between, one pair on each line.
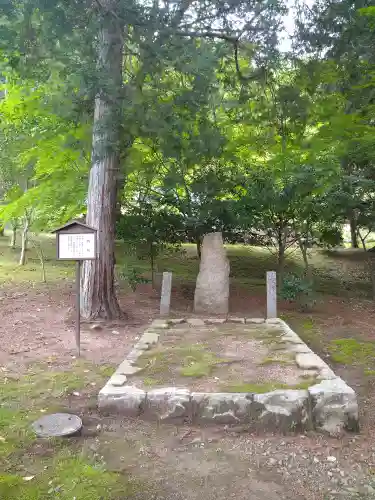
336, 272
31, 272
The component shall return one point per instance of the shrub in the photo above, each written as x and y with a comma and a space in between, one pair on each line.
133, 276
298, 289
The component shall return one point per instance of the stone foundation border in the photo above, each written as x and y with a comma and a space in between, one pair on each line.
329, 406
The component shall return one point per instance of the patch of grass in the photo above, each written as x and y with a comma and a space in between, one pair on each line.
352, 352
11, 272
248, 266
68, 476
189, 361
64, 471
307, 329
308, 325
369, 373
107, 370
41, 389
15, 432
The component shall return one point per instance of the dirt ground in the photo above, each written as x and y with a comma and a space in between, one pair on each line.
190, 463
220, 358
38, 325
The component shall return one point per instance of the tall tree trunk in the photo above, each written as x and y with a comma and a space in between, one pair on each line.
371, 268
24, 238
13, 239
280, 265
303, 248
198, 242
152, 265
281, 248
98, 298
353, 231
363, 239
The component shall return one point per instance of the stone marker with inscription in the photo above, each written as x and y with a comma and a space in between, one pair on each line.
212, 288
271, 295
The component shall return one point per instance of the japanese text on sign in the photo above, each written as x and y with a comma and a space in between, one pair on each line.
77, 246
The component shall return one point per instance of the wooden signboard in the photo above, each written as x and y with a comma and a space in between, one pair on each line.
76, 241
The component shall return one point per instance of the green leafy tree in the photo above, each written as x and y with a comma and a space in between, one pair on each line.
339, 36
148, 230
112, 51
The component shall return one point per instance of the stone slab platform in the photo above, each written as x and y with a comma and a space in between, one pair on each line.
329, 406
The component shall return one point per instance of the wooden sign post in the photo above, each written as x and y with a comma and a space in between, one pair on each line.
76, 241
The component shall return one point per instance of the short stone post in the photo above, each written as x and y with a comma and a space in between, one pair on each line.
166, 289
271, 295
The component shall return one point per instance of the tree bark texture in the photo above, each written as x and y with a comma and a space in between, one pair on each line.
371, 269
281, 248
303, 249
24, 239
98, 298
13, 239
198, 243
363, 239
353, 231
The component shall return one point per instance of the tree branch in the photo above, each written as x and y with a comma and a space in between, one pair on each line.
235, 40
208, 34
179, 15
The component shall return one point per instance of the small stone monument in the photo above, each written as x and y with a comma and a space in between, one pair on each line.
212, 288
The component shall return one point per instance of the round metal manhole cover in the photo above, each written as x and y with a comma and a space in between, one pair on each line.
57, 425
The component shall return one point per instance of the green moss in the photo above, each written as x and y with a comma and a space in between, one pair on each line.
264, 387
276, 361
151, 381
352, 352
306, 383
199, 363
107, 370
268, 336
256, 388
308, 325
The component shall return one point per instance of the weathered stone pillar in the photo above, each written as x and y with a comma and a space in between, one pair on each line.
212, 288
271, 295
166, 290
